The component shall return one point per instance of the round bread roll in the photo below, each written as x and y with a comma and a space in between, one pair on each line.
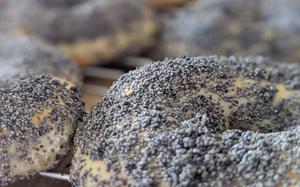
23, 56
90, 31
234, 27
38, 115
194, 121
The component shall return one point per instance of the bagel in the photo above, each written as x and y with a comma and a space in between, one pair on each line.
38, 115
194, 121
23, 56
234, 27
90, 31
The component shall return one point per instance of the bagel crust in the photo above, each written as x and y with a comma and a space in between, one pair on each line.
38, 115
194, 121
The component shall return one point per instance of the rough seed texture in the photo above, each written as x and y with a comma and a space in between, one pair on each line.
201, 121
38, 115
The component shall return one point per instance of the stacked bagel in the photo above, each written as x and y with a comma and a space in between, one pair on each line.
40, 106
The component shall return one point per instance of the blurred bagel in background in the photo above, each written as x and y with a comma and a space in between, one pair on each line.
234, 27
90, 31
23, 56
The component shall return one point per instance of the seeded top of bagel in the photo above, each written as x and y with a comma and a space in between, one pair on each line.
31, 109
194, 120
